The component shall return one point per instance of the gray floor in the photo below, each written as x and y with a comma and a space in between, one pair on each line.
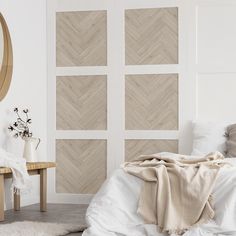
60, 213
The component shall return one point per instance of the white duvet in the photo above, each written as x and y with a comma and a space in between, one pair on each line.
112, 211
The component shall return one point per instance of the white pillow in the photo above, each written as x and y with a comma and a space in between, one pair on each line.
208, 137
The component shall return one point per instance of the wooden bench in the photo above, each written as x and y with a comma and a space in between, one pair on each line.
34, 168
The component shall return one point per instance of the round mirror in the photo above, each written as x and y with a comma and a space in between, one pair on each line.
1, 46
6, 58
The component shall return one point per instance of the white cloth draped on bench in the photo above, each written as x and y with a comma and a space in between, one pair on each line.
20, 179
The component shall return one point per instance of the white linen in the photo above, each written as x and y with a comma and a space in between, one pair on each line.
113, 211
208, 137
20, 176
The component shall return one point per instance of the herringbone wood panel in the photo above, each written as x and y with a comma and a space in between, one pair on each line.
134, 148
81, 166
81, 102
151, 102
151, 36
82, 38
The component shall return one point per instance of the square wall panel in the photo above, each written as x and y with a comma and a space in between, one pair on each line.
81, 103
135, 148
81, 38
151, 102
151, 36
81, 166
216, 36
217, 97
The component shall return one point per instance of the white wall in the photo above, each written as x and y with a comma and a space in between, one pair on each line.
26, 20
215, 66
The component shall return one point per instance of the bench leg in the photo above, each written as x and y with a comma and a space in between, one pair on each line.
2, 196
43, 189
17, 201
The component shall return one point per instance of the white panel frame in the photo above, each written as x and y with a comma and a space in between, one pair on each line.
211, 69
151, 69
116, 71
51, 56
206, 69
81, 134
152, 134
84, 70
187, 79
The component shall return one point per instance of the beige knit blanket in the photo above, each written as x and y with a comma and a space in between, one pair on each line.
176, 193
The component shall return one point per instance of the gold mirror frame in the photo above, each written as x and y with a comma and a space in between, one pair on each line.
7, 62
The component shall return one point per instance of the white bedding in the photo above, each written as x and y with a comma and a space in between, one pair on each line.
112, 211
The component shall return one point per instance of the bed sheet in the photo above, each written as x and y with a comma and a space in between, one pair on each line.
112, 211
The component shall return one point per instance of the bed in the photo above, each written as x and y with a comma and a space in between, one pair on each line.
113, 211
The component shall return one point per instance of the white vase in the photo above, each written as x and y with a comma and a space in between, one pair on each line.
31, 145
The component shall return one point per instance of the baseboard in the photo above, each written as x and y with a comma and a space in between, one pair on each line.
25, 201
29, 201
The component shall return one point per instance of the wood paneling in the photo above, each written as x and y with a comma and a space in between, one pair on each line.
81, 38
151, 36
81, 165
81, 102
134, 148
151, 102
